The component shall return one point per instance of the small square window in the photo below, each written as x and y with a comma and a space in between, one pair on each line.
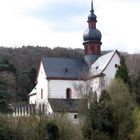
75, 116
116, 66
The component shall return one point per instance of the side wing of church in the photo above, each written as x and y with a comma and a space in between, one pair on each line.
55, 89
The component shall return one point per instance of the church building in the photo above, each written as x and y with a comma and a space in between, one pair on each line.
62, 82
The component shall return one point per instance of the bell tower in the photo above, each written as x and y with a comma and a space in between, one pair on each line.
92, 39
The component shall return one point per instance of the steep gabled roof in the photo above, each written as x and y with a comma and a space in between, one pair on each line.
75, 69
64, 68
68, 105
102, 62
33, 92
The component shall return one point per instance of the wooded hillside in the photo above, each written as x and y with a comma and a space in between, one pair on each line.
26, 59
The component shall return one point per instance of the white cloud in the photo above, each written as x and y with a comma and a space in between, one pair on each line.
117, 20
119, 24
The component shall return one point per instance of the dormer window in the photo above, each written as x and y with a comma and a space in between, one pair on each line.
97, 67
66, 70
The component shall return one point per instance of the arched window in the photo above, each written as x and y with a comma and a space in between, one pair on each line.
95, 97
68, 93
43, 108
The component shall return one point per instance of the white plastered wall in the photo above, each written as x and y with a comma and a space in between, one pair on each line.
32, 99
73, 117
110, 70
42, 83
97, 86
57, 88
101, 82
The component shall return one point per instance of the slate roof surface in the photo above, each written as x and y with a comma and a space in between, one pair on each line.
74, 69
68, 105
64, 67
100, 64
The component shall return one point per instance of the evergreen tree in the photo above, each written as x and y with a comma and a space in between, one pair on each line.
7, 85
27, 82
111, 117
136, 87
122, 72
52, 131
5, 131
4, 98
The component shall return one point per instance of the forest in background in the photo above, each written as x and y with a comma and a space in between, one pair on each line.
26, 60
115, 117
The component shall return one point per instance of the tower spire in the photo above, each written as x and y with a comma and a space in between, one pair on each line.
92, 16
92, 9
92, 39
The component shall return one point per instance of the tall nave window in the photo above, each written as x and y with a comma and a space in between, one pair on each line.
68, 93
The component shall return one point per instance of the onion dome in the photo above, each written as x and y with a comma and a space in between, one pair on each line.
92, 34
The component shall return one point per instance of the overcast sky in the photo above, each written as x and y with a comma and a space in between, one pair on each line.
61, 23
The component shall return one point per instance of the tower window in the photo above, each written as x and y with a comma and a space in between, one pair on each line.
68, 93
